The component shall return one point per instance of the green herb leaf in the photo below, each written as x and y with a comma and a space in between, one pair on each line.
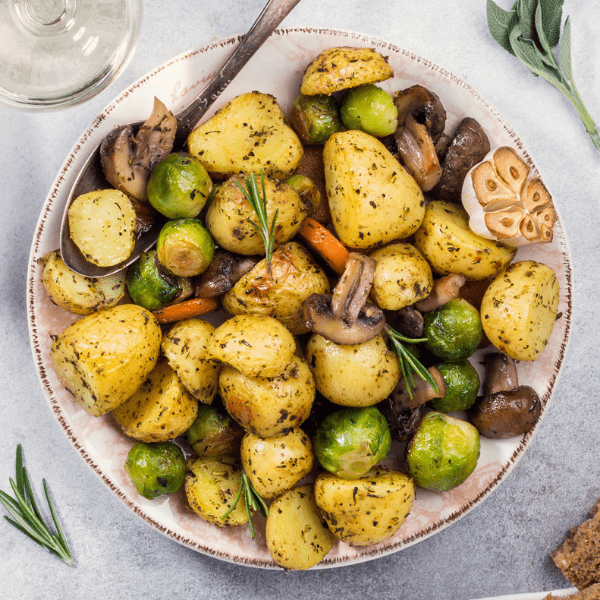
500, 22
564, 53
259, 206
409, 363
551, 17
526, 13
27, 518
252, 502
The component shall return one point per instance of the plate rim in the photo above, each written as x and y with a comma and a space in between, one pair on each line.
368, 552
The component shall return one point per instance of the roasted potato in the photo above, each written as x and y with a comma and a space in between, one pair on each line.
211, 486
229, 215
102, 225
519, 309
297, 535
337, 69
76, 293
159, 410
256, 345
294, 277
402, 276
353, 375
367, 510
372, 199
269, 406
276, 464
248, 134
450, 246
185, 345
104, 357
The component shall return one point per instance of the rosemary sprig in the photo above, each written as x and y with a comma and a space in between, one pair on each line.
252, 500
259, 205
27, 518
409, 362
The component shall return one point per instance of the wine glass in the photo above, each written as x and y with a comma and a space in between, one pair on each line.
56, 53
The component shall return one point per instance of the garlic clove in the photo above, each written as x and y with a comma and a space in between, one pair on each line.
506, 223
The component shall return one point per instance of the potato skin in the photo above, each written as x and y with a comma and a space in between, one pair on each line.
272, 406
353, 375
256, 345
519, 309
402, 276
294, 276
229, 215
104, 357
185, 345
159, 410
337, 69
372, 198
368, 510
298, 537
248, 134
211, 485
449, 245
78, 294
276, 464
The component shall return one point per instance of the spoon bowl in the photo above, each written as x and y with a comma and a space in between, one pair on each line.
91, 176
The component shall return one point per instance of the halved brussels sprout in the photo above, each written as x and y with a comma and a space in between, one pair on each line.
214, 432
349, 442
185, 247
314, 118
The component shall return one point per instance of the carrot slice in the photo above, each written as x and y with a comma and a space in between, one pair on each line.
186, 309
321, 240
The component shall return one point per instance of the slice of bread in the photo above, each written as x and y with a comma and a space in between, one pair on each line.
578, 557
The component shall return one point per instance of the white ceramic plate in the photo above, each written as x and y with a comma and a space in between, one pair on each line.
277, 69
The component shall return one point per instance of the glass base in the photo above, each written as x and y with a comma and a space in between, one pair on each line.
57, 53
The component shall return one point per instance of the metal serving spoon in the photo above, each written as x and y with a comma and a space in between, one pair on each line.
91, 177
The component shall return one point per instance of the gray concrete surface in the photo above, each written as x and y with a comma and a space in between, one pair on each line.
502, 546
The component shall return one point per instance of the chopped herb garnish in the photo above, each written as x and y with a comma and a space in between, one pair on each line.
27, 518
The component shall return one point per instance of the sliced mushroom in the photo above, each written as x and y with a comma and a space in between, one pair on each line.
421, 392
468, 146
225, 270
507, 409
128, 159
444, 289
345, 317
407, 321
402, 423
421, 119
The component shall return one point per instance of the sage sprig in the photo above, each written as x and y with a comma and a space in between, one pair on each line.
252, 501
531, 31
409, 363
259, 206
26, 517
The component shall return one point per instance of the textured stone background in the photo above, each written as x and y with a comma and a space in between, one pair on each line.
502, 546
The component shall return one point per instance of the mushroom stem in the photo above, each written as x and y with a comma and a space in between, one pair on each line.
354, 286
422, 391
444, 289
500, 374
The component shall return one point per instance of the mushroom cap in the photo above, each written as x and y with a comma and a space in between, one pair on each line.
505, 203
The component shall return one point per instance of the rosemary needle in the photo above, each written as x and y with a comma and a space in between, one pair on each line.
259, 206
252, 500
26, 517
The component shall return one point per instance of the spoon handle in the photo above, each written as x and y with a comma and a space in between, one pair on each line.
271, 16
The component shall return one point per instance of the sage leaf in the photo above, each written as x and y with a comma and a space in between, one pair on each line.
500, 22
551, 17
547, 55
564, 53
526, 12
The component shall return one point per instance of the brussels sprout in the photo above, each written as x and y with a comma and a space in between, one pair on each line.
370, 109
150, 286
453, 331
185, 247
443, 452
156, 469
308, 191
462, 385
314, 118
214, 433
351, 441
179, 186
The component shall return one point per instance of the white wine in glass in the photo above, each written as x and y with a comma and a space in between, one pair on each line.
56, 53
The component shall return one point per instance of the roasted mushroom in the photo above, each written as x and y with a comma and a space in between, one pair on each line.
225, 270
507, 409
128, 159
444, 289
468, 146
421, 122
407, 321
402, 423
345, 317
421, 392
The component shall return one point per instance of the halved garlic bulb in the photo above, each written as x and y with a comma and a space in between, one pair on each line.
504, 203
